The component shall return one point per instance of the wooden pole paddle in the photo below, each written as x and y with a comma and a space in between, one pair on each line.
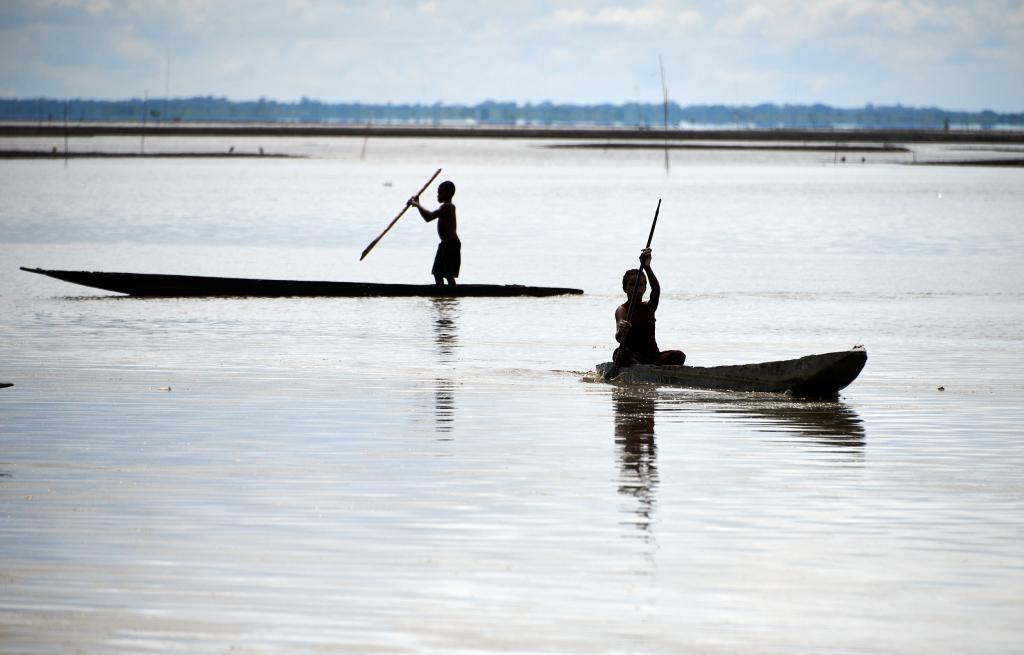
633, 301
395, 219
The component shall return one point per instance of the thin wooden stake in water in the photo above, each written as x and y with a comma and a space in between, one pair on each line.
145, 110
395, 219
614, 372
65, 134
664, 97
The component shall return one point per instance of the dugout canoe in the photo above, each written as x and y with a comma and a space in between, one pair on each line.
813, 376
190, 286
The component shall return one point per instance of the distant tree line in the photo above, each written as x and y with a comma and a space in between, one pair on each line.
640, 115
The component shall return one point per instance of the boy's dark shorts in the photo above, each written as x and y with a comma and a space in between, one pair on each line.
660, 358
448, 259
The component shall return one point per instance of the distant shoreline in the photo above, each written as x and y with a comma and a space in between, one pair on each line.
36, 129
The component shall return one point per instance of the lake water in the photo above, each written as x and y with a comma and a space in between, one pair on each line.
413, 475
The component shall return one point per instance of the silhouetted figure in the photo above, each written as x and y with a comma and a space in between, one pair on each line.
641, 347
448, 259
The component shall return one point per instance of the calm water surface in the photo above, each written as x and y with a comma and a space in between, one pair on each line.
415, 475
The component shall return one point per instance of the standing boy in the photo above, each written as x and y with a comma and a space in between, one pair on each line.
448, 259
640, 346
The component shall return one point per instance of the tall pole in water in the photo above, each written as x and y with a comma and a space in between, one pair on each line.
664, 95
65, 134
145, 110
167, 81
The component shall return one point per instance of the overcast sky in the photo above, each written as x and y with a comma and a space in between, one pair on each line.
951, 54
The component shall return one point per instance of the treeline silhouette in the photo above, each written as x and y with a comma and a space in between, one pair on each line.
640, 115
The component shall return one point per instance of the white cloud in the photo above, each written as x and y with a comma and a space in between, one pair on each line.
689, 18
89, 6
790, 19
611, 16
131, 47
647, 16
754, 18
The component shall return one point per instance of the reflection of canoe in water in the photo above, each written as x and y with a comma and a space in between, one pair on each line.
181, 286
799, 420
814, 376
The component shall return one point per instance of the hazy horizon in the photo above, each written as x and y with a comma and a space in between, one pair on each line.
155, 98
843, 53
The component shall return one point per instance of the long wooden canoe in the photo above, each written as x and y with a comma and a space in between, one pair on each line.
183, 286
813, 376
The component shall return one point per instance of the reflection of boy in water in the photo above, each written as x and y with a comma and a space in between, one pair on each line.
640, 346
638, 452
448, 259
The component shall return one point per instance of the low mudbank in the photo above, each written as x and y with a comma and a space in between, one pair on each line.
1005, 163
52, 154
780, 147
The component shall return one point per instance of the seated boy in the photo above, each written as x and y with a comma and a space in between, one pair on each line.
640, 346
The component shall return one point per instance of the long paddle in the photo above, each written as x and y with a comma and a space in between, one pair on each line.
395, 219
633, 301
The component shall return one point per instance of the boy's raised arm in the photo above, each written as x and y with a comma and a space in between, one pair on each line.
645, 264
